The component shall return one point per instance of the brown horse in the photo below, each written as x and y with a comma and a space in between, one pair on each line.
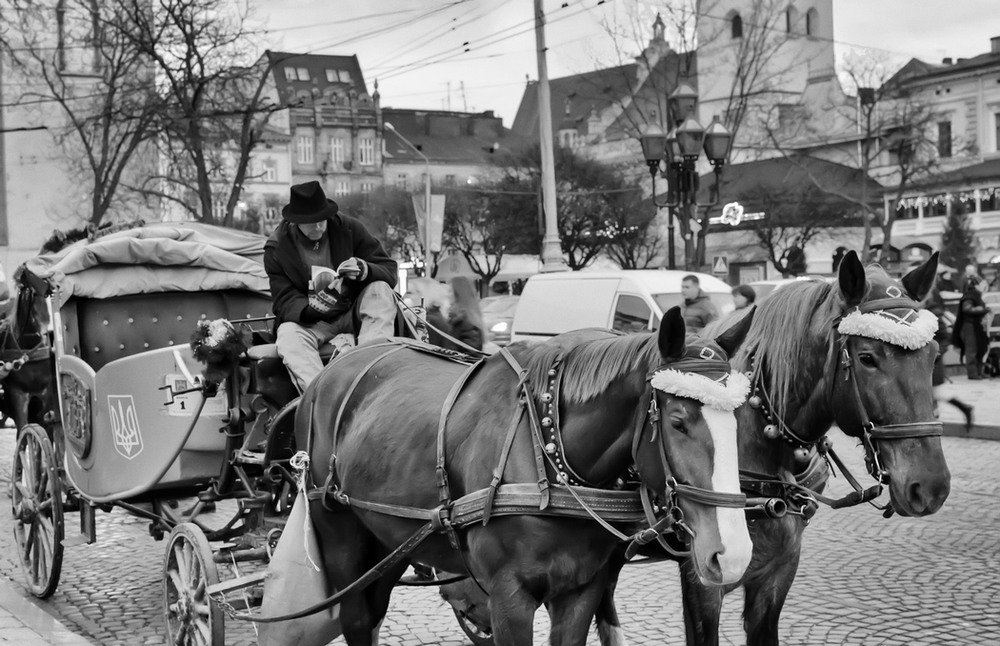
381, 416
27, 361
857, 353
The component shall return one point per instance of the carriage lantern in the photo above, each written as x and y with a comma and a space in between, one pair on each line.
675, 155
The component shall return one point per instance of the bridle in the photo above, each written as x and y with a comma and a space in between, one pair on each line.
870, 433
662, 518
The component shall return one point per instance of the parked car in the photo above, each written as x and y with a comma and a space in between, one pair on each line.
498, 314
625, 300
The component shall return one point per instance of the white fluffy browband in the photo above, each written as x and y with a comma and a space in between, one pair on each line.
727, 394
911, 332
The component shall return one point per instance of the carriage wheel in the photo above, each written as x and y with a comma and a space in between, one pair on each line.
188, 571
479, 636
36, 502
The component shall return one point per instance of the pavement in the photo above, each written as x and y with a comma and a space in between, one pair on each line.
897, 582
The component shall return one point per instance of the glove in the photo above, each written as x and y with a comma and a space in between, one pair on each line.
324, 300
353, 269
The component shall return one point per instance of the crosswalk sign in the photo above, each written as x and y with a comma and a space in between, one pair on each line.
720, 265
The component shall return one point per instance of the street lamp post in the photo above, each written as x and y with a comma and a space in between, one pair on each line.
680, 149
428, 256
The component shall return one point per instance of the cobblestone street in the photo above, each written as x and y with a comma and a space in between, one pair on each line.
862, 579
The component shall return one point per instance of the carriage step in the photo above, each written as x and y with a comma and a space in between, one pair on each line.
240, 582
250, 457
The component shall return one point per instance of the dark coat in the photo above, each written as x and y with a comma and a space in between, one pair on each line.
971, 310
698, 312
465, 331
289, 276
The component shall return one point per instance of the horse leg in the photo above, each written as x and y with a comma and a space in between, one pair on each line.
609, 628
378, 595
702, 608
765, 592
347, 554
512, 612
572, 613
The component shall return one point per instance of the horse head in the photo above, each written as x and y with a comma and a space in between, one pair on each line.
691, 453
882, 391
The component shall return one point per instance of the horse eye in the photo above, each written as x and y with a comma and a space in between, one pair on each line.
677, 422
867, 359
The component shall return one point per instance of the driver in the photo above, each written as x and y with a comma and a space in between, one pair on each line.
356, 297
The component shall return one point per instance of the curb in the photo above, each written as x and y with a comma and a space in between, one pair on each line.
977, 432
28, 616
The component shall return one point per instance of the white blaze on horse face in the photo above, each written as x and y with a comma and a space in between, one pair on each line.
737, 547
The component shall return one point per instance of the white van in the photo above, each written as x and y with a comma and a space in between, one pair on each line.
625, 300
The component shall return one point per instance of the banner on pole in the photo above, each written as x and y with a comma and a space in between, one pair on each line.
437, 219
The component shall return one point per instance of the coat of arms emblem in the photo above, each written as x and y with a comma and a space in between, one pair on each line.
124, 425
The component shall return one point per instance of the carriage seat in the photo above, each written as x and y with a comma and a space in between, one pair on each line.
100, 331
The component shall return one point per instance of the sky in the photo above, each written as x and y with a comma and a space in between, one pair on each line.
475, 55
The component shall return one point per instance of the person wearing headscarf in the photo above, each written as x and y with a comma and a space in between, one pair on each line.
744, 296
465, 317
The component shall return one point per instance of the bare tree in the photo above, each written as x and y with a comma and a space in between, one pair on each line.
634, 240
215, 106
82, 57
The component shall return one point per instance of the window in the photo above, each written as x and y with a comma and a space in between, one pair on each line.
296, 74
402, 181
367, 187
449, 180
366, 151
791, 17
270, 170
631, 314
304, 149
996, 128
78, 29
343, 189
812, 22
567, 138
944, 139
737, 26
271, 213
331, 76
345, 76
219, 209
337, 150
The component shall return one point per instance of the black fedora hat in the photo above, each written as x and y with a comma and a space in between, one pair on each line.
308, 204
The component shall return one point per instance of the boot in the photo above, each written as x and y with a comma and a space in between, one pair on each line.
966, 410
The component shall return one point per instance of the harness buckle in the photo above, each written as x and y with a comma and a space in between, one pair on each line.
441, 518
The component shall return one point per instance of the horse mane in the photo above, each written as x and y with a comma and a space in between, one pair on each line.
789, 329
589, 366
60, 239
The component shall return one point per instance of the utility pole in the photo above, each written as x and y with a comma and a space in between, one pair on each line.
465, 105
552, 259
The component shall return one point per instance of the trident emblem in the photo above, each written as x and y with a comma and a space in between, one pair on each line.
124, 426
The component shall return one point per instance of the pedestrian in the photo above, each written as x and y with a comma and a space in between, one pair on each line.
744, 296
698, 311
969, 334
355, 297
465, 317
935, 304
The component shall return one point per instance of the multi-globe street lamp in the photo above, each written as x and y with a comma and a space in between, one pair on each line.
680, 148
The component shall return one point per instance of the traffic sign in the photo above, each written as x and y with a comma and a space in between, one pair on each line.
720, 265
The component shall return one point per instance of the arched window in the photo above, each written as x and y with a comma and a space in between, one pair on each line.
737, 26
791, 18
812, 22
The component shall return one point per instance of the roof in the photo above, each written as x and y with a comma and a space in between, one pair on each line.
575, 98
447, 137
323, 73
162, 257
795, 173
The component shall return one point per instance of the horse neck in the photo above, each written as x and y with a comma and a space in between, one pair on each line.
808, 416
597, 435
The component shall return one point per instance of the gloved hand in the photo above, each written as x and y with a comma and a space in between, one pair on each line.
353, 269
325, 299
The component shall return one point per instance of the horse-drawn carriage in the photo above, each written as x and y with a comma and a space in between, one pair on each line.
112, 409
480, 451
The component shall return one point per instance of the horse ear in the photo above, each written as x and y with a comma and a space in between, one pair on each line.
731, 339
671, 335
919, 281
852, 278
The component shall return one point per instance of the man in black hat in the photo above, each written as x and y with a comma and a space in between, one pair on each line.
358, 300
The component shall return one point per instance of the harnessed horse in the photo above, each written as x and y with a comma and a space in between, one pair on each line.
26, 362
403, 442
859, 354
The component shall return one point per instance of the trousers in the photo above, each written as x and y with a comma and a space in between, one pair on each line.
373, 317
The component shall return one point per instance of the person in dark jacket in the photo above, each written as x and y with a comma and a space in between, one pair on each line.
355, 296
744, 296
698, 311
969, 334
936, 305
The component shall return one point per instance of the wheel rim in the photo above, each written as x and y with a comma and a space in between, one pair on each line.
36, 506
189, 570
479, 636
